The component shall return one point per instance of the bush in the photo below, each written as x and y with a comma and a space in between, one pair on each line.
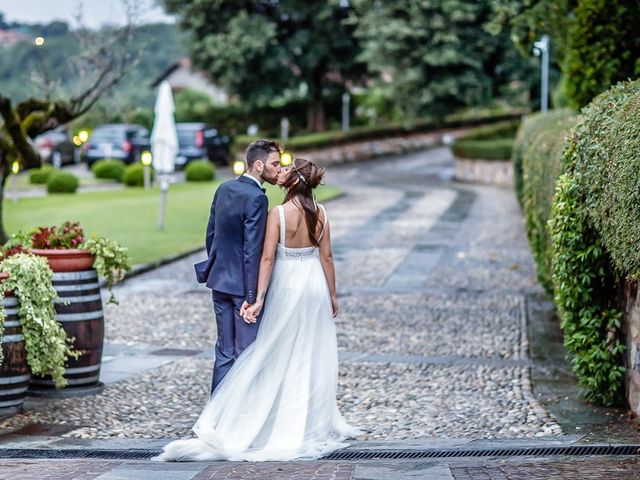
538, 151
200, 171
39, 176
603, 48
504, 129
595, 235
134, 175
62, 182
497, 149
356, 134
109, 169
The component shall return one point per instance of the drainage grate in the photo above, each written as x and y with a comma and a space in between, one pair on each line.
175, 352
492, 452
579, 450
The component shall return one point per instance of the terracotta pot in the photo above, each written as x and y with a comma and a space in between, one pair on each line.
69, 260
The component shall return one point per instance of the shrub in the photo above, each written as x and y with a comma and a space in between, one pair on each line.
39, 176
200, 171
603, 48
539, 149
134, 175
496, 149
109, 169
504, 129
595, 234
62, 182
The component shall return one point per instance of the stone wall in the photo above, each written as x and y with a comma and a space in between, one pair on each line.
493, 172
631, 328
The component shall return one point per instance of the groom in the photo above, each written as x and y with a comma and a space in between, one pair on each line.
235, 235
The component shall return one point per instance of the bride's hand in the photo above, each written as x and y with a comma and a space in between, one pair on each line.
334, 306
251, 312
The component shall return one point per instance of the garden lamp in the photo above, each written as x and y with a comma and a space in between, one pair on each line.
286, 159
83, 135
15, 169
541, 47
146, 158
238, 167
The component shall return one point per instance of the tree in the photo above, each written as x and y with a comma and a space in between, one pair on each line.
26, 119
434, 55
267, 49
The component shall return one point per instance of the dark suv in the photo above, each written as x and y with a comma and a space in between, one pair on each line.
119, 141
198, 141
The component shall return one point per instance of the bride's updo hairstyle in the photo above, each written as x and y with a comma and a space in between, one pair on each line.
302, 179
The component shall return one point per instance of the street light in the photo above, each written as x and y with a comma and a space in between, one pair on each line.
39, 41
84, 136
541, 47
15, 169
346, 98
286, 159
238, 167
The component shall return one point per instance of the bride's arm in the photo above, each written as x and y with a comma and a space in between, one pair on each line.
266, 264
326, 258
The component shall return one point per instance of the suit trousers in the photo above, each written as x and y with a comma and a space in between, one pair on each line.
234, 334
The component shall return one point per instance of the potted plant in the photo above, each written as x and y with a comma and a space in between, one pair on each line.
28, 316
67, 250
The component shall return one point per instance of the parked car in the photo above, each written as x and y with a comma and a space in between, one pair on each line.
55, 147
197, 141
119, 141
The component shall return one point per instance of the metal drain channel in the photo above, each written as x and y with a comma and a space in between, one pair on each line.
576, 450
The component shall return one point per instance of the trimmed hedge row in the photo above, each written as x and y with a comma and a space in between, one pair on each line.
537, 164
589, 245
338, 137
488, 142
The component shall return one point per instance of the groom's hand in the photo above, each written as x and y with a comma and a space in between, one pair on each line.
243, 308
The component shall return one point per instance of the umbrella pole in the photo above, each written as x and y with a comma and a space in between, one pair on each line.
164, 191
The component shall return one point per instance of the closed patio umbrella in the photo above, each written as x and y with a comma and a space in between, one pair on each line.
164, 144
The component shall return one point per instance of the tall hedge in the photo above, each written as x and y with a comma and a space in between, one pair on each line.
595, 237
603, 48
538, 156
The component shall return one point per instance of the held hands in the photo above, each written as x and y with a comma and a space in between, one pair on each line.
250, 313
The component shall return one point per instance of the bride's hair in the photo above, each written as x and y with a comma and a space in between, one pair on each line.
302, 179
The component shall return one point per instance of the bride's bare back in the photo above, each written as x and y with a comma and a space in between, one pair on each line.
297, 233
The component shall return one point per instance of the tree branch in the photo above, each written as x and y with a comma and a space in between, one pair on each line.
12, 125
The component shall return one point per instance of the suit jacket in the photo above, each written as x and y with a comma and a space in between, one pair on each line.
235, 235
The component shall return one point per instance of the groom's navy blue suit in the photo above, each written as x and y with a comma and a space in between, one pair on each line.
235, 235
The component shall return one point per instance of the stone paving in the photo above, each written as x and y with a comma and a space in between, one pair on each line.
433, 351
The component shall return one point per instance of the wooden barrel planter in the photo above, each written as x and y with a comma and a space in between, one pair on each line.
79, 311
14, 371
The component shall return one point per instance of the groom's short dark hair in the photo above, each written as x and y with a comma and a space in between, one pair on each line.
260, 150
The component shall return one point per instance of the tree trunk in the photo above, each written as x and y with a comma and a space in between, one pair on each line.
4, 174
315, 116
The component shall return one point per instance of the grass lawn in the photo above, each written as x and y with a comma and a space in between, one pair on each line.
129, 216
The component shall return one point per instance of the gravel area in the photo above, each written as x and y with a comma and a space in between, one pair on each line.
431, 324
391, 401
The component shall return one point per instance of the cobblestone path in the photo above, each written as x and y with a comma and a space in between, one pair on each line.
432, 277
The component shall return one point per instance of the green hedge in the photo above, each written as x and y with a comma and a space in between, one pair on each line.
62, 182
595, 237
495, 149
504, 129
109, 169
200, 171
39, 176
134, 175
538, 155
338, 137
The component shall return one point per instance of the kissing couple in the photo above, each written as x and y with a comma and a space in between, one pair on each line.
273, 394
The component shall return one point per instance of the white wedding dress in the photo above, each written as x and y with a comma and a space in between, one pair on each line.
278, 401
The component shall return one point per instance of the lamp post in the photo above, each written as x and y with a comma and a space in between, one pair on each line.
15, 169
146, 158
541, 47
284, 129
346, 98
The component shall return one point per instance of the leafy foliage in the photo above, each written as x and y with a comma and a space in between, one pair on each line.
39, 176
262, 51
488, 142
68, 235
62, 182
109, 169
538, 155
200, 171
434, 56
47, 344
112, 261
603, 48
134, 175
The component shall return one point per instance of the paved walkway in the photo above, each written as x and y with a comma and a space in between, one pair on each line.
435, 282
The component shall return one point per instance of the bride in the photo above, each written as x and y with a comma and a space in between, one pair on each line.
278, 402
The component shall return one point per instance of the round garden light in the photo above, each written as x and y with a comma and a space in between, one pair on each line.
238, 167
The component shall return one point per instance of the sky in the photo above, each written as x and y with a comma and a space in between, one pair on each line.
95, 12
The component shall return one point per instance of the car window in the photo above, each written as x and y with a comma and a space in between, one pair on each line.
186, 136
138, 134
106, 135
